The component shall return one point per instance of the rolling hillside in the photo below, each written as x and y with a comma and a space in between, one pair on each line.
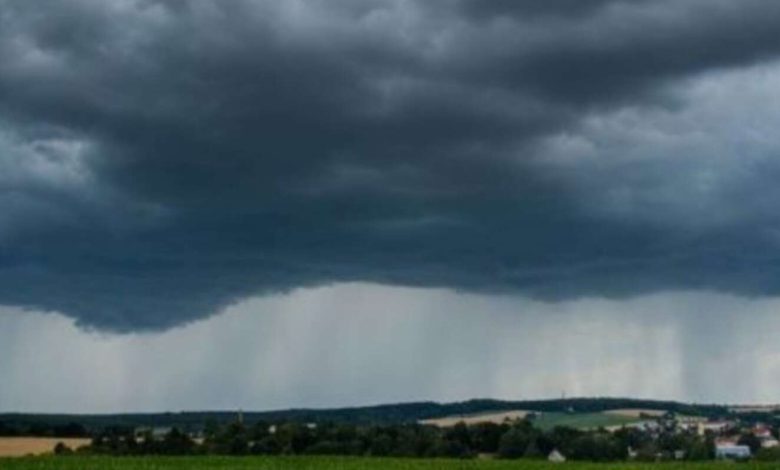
381, 414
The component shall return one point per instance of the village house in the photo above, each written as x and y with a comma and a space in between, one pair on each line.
157, 433
765, 436
769, 443
729, 450
715, 427
556, 456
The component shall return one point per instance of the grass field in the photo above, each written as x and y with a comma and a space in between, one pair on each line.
326, 463
636, 412
547, 421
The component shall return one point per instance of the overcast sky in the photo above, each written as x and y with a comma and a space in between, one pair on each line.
187, 183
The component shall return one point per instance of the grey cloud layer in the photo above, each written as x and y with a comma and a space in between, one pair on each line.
161, 160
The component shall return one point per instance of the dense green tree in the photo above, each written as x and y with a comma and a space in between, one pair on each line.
381, 446
62, 449
596, 447
532, 451
177, 443
513, 443
750, 440
700, 449
486, 436
771, 454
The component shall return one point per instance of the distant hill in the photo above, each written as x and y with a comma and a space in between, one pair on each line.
380, 414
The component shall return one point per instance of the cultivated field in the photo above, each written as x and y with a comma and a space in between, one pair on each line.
21, 446
547, 421
327, 463
636, 413
495, 417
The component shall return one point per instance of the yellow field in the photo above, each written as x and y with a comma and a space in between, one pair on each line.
21, 446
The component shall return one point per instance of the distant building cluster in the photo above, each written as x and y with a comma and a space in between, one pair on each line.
734, 439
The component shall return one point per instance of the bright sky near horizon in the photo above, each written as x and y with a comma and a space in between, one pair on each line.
359, 344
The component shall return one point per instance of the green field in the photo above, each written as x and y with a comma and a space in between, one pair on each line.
547, 421
306, 463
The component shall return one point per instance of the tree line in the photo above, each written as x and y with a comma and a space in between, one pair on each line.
517, 440
43, 429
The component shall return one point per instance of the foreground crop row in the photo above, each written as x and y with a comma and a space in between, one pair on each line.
327, 463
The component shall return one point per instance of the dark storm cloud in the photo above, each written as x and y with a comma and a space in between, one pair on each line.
164, 159
529, 9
